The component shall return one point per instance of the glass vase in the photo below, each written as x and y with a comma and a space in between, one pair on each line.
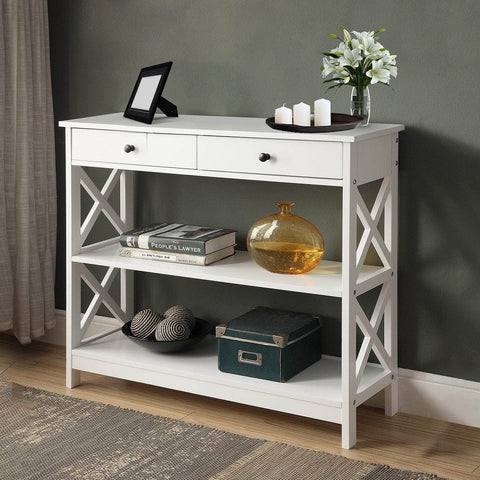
285, 243
360, 104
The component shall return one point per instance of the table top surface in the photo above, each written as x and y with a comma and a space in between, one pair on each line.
225, 126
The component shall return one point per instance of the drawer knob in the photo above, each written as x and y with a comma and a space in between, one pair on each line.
263, 157
129, 148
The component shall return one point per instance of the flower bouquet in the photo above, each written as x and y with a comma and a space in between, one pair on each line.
359, 61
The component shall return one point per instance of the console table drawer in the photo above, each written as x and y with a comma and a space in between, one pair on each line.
107, 146
287, 157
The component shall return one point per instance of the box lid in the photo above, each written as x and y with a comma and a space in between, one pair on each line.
269, 326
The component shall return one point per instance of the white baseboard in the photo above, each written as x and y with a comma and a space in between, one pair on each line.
425, 394
436, 396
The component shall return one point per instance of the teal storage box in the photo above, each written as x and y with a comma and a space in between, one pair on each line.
268, 343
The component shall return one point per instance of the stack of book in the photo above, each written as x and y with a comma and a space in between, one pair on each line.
175, 242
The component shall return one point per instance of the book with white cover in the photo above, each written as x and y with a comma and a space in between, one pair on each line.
177, 257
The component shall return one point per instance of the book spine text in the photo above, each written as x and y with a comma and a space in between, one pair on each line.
164, 256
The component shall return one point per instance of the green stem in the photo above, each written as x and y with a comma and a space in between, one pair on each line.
360, 93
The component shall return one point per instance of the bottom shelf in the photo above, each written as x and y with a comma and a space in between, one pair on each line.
313, 393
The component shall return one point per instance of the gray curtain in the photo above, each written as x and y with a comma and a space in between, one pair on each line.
27, 171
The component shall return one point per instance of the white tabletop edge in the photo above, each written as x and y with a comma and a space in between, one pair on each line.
224, 126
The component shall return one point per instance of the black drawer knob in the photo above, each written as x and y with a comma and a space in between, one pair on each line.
263, 157
129, 148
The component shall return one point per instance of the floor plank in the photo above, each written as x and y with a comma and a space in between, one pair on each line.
403, 441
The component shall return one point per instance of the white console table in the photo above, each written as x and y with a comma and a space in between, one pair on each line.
229, 147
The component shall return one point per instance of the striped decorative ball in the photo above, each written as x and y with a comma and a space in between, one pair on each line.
179, 312
171, 330
144, 323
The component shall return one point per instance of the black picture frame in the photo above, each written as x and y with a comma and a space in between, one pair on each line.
146, 96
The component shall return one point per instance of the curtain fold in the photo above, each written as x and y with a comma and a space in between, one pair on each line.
27, 171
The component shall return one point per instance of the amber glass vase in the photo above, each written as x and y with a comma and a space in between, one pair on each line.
285, 243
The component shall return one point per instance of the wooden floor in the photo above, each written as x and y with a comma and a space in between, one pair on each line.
403, 441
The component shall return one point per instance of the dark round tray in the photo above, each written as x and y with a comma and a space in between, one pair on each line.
340, 121
200, 331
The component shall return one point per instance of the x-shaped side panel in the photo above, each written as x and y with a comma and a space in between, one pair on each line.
371, 234
100, 198
101, 296
369, 328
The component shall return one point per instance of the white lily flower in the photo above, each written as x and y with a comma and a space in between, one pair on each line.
378, 73
356, 44
329, 66
363, 34
371, 47
391, 59
367, 43
376, 55
392, 69
340, 49
342, 75
388, 59
350, 58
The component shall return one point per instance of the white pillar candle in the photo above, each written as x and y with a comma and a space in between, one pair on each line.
322, 112
283, 115
301, 114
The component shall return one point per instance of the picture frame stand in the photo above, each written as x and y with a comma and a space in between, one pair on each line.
167, 107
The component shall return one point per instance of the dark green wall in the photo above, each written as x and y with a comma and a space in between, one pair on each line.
246, 57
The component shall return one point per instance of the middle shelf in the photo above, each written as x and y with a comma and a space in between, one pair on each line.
240, 269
